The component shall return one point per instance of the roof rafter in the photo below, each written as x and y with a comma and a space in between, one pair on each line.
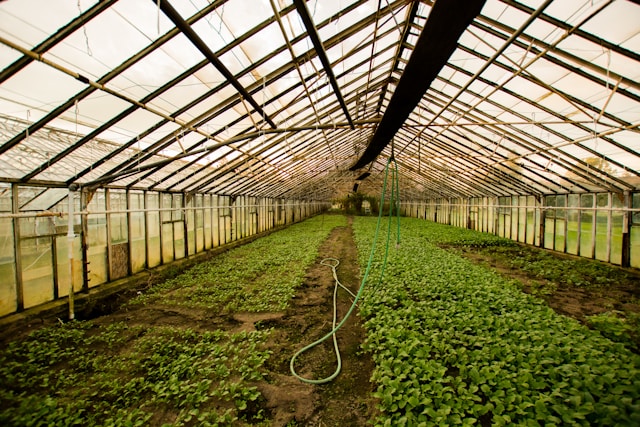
312, 32
190, 33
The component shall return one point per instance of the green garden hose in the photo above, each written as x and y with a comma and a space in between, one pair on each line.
393, 202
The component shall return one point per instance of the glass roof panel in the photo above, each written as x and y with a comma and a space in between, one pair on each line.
558, 98
36, 87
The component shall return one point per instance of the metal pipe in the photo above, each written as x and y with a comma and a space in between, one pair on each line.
70, 239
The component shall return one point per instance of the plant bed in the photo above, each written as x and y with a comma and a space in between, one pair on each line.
457, 344
195, 351
599, 295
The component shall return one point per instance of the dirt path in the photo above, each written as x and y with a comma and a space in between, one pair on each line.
347, 400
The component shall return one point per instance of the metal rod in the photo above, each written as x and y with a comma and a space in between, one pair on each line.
70, 239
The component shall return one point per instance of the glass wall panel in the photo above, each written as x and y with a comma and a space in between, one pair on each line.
119, 258
586, 226
178, 219
153, 230
118, 221
573, 216
503, 223
522, 219
602, 224
617, 219
635, 232
199, 224
190, 216
62, 260
138, 232
560, 223
207, 222
531, 220
514, 218
167, 229
215, 221
8, 294
178, 238
97, 240
37, 269
549, 222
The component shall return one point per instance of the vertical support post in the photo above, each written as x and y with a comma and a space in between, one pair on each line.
127, 196
626, 230
145, 207
609, 225
185, 224
71, 239
83, 240
543, 220
17, 253
54, 265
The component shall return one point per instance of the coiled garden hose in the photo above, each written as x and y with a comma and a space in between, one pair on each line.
333, 263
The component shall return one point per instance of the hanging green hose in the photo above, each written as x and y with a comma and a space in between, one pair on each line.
393, 202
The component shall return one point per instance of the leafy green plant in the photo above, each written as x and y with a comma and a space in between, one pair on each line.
55, 377
457, 344
260, 276
615, 326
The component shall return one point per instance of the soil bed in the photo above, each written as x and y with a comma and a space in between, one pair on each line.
586, 290
284, 400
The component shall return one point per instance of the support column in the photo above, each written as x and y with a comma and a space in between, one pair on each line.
84, 246
626, 230
15, 209
71, 237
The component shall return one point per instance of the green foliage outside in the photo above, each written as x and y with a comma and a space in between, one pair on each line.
352, 204
456, 344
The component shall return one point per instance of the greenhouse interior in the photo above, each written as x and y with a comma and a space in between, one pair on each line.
186, 185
